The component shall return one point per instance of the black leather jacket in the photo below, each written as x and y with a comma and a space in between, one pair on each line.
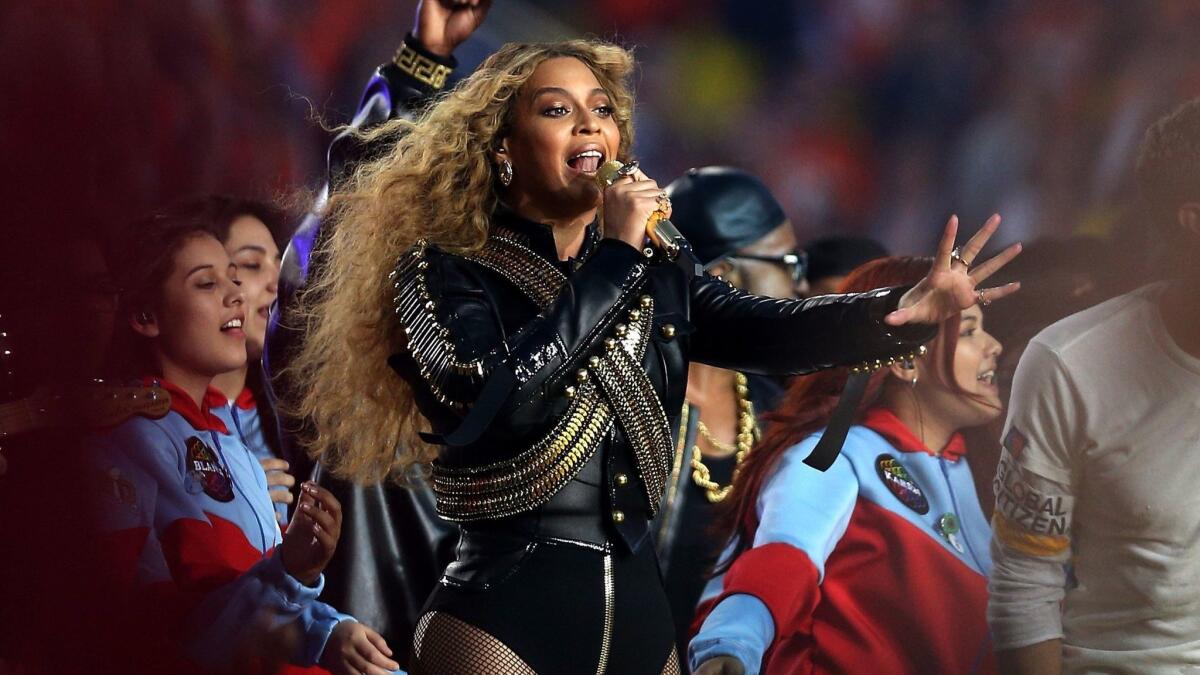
491, 330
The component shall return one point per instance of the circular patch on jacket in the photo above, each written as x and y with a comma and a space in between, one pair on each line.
901, 483
204, 468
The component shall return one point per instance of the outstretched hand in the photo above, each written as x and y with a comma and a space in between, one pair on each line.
951, 285
443, 25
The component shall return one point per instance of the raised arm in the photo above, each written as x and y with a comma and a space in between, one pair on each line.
419, 70
399, 88
772, 336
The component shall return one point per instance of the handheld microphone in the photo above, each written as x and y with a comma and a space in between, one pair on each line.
662, 232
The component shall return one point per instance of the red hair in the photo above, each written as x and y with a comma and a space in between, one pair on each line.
810, 399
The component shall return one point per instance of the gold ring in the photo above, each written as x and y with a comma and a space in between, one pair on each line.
982, 298
956, 257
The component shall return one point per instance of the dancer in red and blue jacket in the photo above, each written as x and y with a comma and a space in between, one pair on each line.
880, 564
191, 521
192, 540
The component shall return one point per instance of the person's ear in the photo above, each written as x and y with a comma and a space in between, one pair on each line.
905, 371
1188, 216
499, 152
144, 323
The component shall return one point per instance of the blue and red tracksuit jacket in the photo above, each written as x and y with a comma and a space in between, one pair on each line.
190, 529
242, 419
878, 565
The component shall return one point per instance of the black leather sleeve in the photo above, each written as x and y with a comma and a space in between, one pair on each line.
770, 336
391, 93
543, 354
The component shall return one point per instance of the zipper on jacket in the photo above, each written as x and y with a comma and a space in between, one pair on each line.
258, 521
609, 602
954, 504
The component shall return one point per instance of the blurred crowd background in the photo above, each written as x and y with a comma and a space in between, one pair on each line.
875, 117
870, 117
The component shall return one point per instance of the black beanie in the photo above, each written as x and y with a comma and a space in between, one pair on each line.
720, 209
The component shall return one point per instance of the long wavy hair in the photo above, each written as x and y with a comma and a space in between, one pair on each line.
809, 402
434, 180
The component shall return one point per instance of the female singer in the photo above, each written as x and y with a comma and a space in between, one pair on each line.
535, 347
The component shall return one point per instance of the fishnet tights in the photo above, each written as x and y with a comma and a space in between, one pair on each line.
443, 645
672, 665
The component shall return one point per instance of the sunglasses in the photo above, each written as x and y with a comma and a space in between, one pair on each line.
796, 262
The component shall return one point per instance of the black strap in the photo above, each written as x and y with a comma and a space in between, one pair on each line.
830, 445
495, 392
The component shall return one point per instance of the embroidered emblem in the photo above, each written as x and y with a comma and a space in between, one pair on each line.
204, 468
901, 484
1015, 442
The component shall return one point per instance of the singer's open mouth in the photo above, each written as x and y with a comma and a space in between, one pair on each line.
586, 161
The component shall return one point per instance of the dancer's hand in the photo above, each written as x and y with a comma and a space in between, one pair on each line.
354, 649
950, 286
628, 204
312, 536
721, 665
443, 25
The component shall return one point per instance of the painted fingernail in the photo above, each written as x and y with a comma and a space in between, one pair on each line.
316, 527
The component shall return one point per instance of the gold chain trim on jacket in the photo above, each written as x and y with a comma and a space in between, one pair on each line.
621, 390
506, 254
872, 366
451, 379
531, 478
636, 403
528, 480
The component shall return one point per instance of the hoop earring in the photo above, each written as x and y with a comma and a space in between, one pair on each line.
506, 172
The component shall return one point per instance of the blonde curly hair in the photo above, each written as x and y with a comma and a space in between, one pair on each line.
436, 182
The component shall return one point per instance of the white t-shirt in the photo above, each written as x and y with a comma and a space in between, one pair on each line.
1098, 494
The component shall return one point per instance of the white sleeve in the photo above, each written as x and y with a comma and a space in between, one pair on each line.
1035, 489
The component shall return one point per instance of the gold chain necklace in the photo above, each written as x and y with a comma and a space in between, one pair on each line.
748, 433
